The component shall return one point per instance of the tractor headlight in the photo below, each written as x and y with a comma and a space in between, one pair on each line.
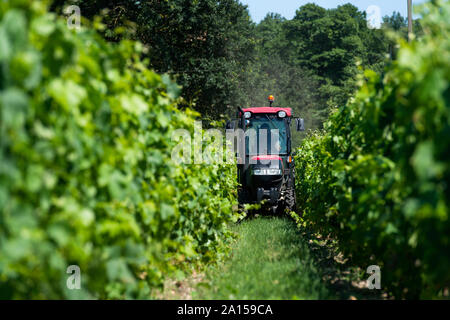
282, 114
267, 172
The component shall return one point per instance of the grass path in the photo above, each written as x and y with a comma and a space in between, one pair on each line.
270, 260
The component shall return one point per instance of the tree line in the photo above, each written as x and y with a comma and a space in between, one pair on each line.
222, 59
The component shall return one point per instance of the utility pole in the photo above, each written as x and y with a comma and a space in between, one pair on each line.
410, 26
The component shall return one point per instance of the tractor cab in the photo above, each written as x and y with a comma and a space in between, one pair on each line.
266, 168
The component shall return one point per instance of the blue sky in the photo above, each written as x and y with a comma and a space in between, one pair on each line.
259, 8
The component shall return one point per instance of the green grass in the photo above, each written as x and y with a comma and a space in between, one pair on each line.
270, 260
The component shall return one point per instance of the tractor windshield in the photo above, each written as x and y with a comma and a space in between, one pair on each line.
266, 135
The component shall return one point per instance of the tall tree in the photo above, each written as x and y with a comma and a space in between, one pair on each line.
202, 44
329, 43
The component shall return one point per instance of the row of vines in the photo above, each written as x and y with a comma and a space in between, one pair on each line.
86, 175
377, 178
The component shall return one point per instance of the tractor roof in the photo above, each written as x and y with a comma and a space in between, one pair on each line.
269, 110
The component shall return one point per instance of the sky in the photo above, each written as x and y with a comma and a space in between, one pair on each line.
259, 8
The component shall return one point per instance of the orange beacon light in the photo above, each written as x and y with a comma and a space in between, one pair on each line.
271, 99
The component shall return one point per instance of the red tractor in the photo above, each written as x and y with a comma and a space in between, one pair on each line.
266, 169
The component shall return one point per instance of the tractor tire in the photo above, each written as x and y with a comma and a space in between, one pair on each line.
241, 197
291, 201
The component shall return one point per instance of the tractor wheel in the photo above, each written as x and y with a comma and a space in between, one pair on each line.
241, 197
291, 202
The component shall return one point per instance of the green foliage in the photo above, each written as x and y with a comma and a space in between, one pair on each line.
86, 175
378, 177
203, 44
223, 60
396, 27
329, 43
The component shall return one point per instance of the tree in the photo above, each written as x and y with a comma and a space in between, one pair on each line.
222, 60
329, 43
204, 44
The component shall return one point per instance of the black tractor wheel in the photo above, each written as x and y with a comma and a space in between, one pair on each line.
291, 201
242, 197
